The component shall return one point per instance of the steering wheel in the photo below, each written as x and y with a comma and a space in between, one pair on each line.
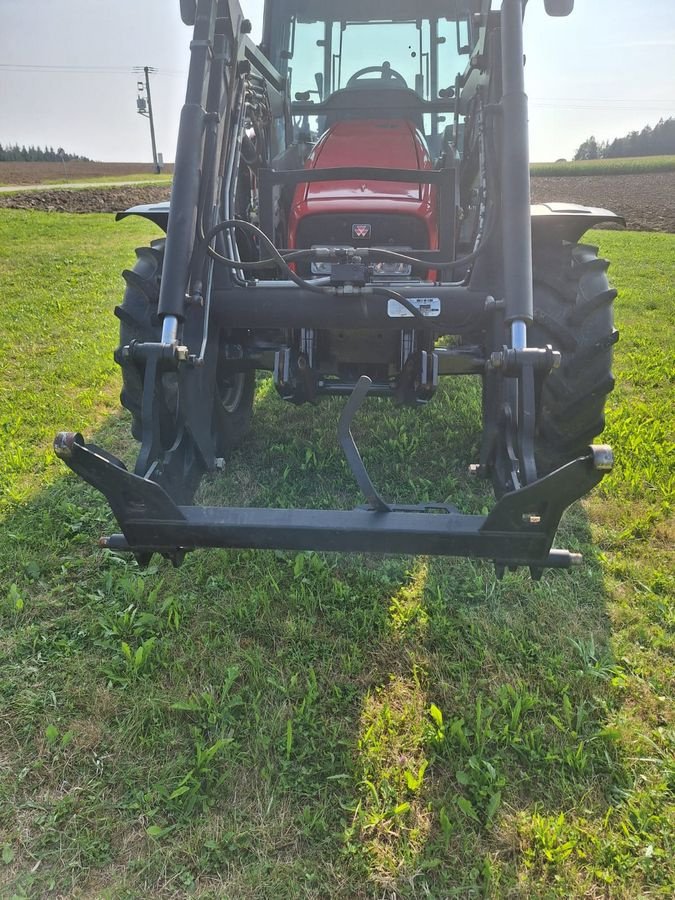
386, 74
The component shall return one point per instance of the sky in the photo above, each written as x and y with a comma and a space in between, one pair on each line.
66, 73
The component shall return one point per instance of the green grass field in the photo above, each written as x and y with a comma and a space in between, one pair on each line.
102, 180
266, 725
638, 165
81, 184
141, 178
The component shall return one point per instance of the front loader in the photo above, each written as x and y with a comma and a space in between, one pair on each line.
351, 212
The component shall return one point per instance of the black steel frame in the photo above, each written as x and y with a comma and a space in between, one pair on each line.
519, 531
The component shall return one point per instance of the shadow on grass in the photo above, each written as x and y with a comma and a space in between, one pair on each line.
261, 724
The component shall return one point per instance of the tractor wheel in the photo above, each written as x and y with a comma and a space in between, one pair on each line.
573, 312
139, 321
234, 410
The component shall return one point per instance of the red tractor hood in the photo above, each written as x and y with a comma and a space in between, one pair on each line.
386, 144
373, 143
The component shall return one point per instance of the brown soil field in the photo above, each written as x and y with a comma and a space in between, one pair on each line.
86, 200
647, 201
36, 173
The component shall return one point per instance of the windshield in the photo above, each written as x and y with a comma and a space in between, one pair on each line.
420, 55
331, 48
324, 47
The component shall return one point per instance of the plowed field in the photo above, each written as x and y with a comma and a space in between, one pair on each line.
36, 173
647, 201
86, 200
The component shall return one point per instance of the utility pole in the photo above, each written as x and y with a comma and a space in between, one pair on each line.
145, 109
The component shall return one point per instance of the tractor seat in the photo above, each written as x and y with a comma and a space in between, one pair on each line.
369, 102
375, 84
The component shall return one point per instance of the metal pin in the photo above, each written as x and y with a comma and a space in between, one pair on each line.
530, 519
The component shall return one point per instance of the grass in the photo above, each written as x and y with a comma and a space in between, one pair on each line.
52, 366
311, 725
139, 178
638, 165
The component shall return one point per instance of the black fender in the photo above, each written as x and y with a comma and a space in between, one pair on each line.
156, 212
567, 221
550, 221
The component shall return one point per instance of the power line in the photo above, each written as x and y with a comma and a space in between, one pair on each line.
594, 107
572, 103
591, 99
77, 70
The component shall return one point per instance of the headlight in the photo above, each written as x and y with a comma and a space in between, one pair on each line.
380, 269
321, 268
325, 268
391, 268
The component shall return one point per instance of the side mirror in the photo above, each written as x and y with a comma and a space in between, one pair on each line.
188, 11
559, 7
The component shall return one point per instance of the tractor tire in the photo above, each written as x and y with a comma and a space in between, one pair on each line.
573, 311
139, 321
234, 412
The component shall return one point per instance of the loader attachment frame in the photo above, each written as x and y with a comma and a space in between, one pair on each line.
519, 531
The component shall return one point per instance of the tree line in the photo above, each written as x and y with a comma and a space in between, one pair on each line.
15, 153
656, 141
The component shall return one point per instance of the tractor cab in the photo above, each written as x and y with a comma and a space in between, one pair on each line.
372, 85
370, 60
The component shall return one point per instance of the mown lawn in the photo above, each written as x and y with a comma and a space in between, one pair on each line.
308, 725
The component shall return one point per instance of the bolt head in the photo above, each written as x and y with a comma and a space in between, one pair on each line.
474, 470
220, 464
496, 360
530, 519
182, 354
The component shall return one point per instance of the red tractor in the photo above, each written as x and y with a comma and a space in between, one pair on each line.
351, 211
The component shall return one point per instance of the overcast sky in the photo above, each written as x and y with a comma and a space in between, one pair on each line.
66, 72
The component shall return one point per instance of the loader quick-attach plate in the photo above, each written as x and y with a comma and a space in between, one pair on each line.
518, 531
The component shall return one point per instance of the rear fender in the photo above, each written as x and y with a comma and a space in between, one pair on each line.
567, 221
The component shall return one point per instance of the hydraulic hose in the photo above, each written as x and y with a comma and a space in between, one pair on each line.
281, 261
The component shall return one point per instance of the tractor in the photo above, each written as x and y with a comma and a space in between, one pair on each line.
350, 212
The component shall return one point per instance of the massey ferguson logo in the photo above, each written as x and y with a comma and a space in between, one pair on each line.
361, 232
